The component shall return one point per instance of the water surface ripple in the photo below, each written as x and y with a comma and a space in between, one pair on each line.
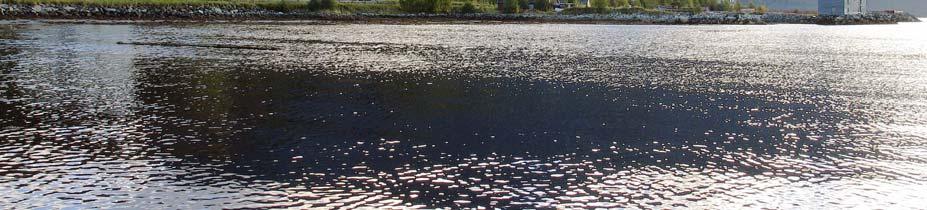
463, 116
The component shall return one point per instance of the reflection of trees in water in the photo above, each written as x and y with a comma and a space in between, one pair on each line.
165, 87
259, 119
11, 112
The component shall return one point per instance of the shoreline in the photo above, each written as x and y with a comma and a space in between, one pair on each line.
85, 13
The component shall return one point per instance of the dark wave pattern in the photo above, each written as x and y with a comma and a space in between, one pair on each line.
473, 116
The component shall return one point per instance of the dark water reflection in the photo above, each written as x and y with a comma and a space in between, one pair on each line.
90, 124
542, 135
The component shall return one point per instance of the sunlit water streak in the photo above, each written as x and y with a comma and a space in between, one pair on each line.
426, 116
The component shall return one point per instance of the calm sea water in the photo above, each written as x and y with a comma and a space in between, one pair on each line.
463, 116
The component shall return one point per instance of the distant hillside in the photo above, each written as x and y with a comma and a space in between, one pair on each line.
916, 7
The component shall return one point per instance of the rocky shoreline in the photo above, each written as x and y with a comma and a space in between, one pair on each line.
211, 13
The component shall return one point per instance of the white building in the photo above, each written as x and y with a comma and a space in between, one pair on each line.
841, 7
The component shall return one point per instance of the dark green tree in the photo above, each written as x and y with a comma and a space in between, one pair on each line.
318, 5
600, 5
524, 5
543, 5
468, 8
622, 4
710, 3
425, 6
650, 4
510, 6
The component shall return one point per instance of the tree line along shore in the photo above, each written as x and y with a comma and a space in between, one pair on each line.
608, 11
431, 6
